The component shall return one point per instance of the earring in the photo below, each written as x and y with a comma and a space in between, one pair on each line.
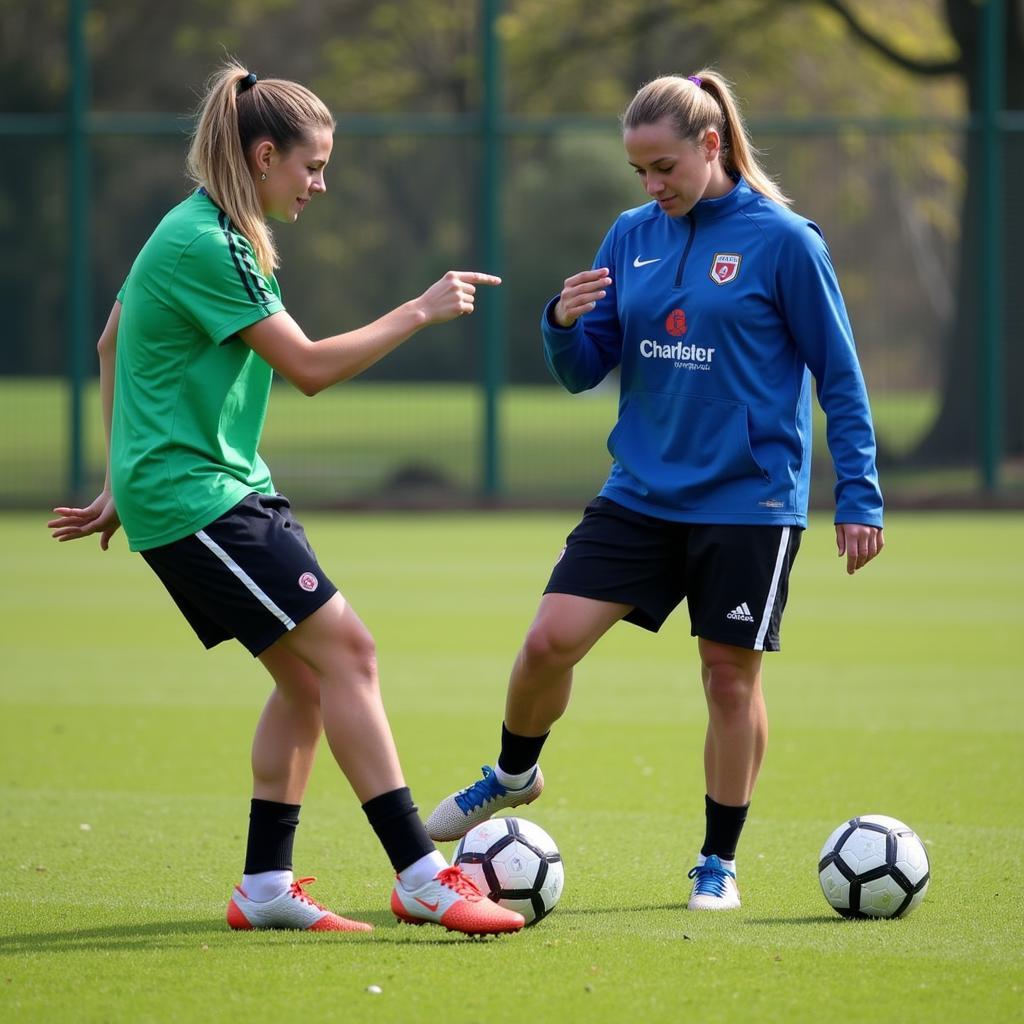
263, 177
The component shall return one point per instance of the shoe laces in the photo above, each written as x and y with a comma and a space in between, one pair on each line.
711, 878
483, 790
454, 879
298, 893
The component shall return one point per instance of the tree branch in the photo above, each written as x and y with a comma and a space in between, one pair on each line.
912, 64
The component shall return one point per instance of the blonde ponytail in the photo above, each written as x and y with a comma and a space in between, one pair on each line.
693, 105
237, 110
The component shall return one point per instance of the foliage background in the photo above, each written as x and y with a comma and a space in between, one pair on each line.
872, 148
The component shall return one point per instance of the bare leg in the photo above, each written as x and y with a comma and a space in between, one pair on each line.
285, 743
564, 630
340, 653
737, 721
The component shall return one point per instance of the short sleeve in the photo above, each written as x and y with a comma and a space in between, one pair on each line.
218, 286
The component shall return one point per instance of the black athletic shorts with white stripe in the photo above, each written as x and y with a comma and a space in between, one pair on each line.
249, 575
735, 578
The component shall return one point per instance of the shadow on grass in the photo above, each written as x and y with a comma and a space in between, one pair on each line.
199, 933
806, 919
632, 909
690, 915
154, 934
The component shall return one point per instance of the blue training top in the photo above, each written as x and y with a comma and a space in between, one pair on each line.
718, 320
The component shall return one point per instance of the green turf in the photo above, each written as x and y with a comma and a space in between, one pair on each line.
359, 440
123, 791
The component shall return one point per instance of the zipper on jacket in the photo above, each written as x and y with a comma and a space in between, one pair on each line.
686, 250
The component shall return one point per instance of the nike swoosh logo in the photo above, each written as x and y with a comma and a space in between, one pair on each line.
637, 262
432, 907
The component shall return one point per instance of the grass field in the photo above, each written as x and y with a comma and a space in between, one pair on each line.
364, 439
124, 791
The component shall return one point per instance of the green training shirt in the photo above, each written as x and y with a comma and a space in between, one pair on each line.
190, 396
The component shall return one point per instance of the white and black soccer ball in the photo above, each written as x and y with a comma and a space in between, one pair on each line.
515, 863
874, 866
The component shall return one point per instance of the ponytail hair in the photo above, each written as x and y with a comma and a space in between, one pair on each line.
236, 111
693, 105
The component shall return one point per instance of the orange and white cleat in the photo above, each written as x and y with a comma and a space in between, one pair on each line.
452, 900
294, 908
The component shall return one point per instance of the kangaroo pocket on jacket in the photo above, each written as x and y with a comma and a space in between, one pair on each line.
684, 450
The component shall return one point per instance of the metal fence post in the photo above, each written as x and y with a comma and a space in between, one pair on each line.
992, 264
492, 302
79, 311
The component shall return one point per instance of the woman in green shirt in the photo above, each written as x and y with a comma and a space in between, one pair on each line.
186, 361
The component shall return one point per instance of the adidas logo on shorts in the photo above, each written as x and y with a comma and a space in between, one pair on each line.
741, 613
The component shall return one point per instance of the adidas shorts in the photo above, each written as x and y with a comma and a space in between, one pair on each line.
249, 575
735, 578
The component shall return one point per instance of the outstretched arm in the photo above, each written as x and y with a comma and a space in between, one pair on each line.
314, 365
100, 516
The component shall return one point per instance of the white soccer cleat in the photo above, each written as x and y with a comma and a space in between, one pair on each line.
294, 909
454, 816
714, 887
452, 900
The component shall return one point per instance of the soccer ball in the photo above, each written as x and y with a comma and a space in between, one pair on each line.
873, 866
515, 863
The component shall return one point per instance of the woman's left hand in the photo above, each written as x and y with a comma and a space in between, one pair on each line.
859, 543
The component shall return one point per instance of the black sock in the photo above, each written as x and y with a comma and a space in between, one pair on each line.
393, 816
519, 753
271, 835
722, 832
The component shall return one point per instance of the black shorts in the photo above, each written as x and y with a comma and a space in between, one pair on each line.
250, 574
735, 578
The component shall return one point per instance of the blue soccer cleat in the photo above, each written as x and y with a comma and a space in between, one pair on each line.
714, 887
454, 816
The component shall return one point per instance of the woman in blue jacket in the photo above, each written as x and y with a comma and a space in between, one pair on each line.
719, 306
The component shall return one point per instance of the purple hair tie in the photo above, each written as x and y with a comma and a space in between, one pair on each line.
696, 81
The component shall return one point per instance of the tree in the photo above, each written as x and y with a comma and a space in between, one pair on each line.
402, 204
954, 437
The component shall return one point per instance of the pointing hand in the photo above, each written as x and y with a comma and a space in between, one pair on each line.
453, 296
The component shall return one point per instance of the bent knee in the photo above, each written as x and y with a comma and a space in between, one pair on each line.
358, 649
546, 646
341, 648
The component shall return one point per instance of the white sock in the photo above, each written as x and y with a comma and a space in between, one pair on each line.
266, 885
513, 781
422, 871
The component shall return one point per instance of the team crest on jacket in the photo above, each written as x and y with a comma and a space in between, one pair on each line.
675, 323
725, 266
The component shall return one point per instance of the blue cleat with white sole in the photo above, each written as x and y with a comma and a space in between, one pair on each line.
454, 816
714, 887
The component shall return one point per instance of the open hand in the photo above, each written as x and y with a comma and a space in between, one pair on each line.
100, 516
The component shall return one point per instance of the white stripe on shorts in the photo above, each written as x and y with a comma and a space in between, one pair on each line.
247, 580
766, 618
